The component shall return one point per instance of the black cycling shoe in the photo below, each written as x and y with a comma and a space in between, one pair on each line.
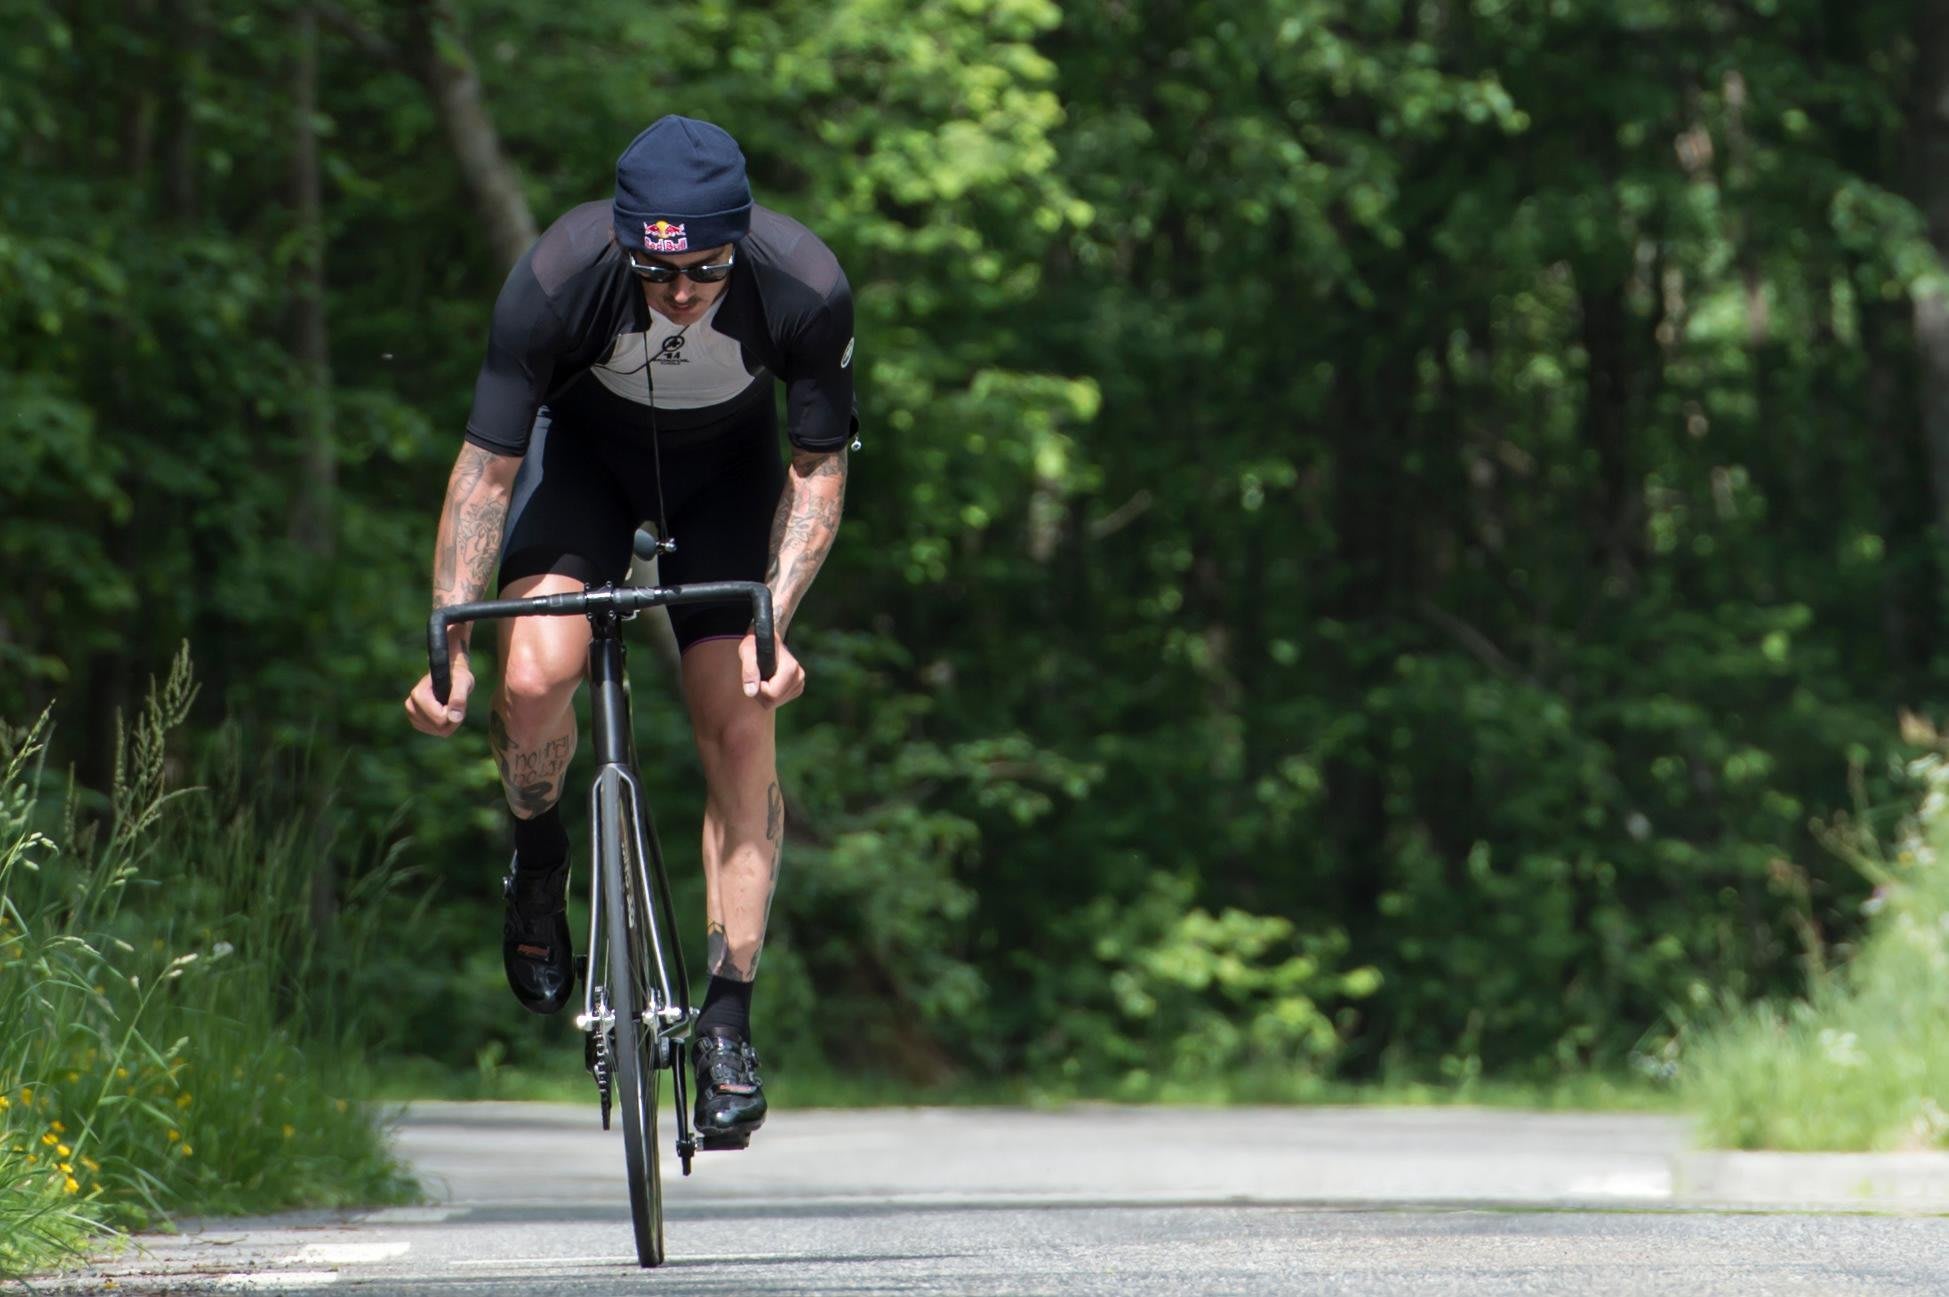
534, 938
730, 1096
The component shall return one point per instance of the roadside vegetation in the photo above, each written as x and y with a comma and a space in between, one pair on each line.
169, 1041
1861, 1061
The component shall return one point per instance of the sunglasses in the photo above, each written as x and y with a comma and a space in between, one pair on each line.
659, 273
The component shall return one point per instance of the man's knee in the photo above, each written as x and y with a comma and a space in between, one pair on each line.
533, 700
538, 685
735, 743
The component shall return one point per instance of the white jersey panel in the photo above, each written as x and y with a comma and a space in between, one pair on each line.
696, 367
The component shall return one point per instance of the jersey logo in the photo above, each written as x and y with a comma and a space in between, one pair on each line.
847, 359
661, 236
670, 351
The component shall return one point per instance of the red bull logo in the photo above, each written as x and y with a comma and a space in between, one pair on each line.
661, 236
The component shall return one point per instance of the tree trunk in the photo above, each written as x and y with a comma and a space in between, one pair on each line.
313, 519
1615, 507
189, 37
440, 59
1928, 127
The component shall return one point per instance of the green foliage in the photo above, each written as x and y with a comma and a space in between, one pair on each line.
1177, 996
1435, 490
172, 1044
1859, 1063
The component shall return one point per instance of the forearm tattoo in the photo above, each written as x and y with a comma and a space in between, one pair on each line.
532, 776
470, 529
803, 529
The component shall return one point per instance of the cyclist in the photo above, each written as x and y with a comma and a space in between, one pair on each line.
630, 376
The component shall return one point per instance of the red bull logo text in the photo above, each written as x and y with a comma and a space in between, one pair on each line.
661, 236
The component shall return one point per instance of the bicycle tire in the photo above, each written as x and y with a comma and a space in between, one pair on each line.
636, 1070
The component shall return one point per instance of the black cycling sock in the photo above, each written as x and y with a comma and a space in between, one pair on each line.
727, 1007
541, 843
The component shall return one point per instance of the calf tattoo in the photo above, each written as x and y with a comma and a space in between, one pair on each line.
740, 963
718, 957
531, 776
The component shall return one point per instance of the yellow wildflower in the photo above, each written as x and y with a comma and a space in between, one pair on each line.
5, 1103
91, 1164
174, 1134
183, 1100
289, 1130
57, 1127
32, 1158
64, 1150
71, 1185
49, 1139
340, 1104
73, 1077
67, 1168
121, 1073
27, 1095
186, 1150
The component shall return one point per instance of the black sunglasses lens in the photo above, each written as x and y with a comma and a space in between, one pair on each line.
658, 273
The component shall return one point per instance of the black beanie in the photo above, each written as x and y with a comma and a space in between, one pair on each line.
680, 187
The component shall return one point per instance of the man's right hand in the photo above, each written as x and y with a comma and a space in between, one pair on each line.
427, 713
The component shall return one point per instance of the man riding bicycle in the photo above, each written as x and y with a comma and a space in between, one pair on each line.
630, 376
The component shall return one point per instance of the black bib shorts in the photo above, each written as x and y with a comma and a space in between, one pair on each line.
589, 480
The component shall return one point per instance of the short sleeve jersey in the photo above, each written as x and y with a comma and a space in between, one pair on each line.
787, 306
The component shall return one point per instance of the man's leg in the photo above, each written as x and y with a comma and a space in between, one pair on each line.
744, 830
532, 732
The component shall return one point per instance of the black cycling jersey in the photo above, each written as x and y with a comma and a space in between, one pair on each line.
787, 306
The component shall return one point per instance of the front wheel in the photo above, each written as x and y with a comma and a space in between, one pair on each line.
636, 1070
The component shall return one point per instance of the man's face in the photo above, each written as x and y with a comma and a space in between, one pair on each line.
683, 300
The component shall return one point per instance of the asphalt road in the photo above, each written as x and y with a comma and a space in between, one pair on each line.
1090, 1201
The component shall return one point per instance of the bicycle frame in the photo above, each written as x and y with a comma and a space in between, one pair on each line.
616, 776
667, 1016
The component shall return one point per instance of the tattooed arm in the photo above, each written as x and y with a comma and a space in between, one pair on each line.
803, 529
464, 554
802, 533
469, 540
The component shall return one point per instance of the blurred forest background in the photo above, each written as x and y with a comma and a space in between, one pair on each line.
1386, 528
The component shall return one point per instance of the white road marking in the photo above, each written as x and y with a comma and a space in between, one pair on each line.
1624, 1184
279, 1279
350, 1253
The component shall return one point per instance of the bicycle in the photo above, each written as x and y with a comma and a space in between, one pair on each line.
637, 1020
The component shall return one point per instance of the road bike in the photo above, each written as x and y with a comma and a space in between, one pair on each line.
636, 1006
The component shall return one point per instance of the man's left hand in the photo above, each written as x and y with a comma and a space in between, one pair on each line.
786, 683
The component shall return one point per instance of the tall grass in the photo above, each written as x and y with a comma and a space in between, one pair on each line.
1862, 1062
173, 1037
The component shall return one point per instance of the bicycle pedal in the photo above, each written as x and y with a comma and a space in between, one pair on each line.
725, 1143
